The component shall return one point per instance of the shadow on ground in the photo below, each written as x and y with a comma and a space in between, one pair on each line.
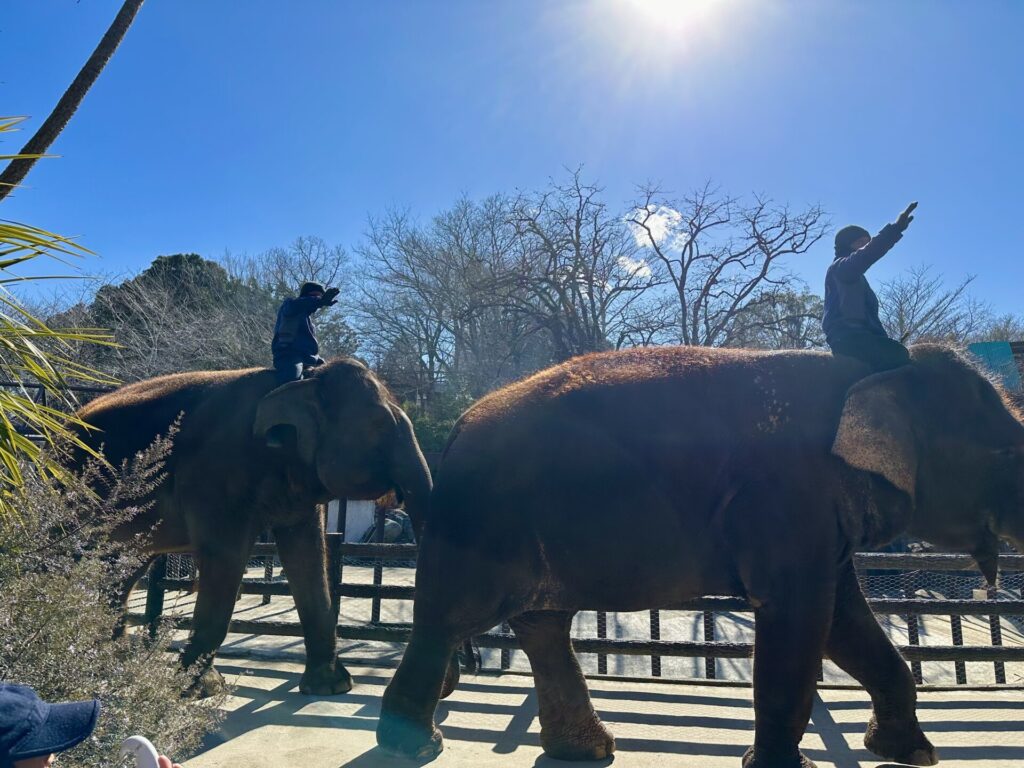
492, 721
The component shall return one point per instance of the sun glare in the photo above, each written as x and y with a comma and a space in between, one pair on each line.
668, 17
645, 42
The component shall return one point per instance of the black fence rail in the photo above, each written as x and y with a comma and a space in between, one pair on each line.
908, 571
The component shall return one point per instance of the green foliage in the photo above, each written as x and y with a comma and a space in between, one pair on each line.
33, 352
434, 423
58, 571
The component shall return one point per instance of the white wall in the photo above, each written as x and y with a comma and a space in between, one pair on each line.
358, 518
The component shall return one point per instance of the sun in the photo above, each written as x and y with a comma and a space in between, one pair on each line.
668, 17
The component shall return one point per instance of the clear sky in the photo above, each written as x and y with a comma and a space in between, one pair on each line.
230, 125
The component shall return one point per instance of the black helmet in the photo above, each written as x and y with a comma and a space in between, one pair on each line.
308, 288
847, 236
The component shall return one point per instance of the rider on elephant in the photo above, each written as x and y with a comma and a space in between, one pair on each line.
851, 322
295, 346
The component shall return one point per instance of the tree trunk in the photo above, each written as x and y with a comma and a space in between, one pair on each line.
16, 170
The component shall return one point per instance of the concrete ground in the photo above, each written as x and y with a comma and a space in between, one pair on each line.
491, 720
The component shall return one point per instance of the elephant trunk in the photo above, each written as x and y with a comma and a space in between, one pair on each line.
410, 473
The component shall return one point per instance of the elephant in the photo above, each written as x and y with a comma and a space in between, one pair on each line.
758, 475
345, 438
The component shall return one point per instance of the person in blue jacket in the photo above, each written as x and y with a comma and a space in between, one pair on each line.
295, 347
851, 322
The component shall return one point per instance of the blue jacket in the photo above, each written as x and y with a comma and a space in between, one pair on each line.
294, 335
850, 304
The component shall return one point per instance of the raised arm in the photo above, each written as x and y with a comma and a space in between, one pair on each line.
851, 267
303, 305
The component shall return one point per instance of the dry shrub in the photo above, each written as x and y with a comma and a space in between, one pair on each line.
58, 573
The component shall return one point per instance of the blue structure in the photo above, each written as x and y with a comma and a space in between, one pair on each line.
997, 357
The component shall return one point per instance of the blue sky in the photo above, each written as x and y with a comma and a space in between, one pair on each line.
228, 125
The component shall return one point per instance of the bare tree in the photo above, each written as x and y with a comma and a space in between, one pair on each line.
436, 294
919, 306
783, 319
48, 132
724, 258
283, 270
580, 274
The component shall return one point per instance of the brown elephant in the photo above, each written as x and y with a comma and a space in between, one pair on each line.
761, 474
345, 438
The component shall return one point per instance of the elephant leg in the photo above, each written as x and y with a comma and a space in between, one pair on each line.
570, 728
303, 554
789, 641
220, 574
860, 647
459, 593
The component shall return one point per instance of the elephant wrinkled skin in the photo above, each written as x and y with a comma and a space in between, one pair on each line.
639, 479
345, 438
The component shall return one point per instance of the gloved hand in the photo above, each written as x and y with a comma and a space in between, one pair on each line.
330, 296
905, 218
317, 360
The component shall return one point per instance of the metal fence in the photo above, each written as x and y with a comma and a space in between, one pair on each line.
901, 587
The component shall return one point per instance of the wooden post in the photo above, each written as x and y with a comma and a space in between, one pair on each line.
602, 632
709, 637
334, 558
155, 594
268, 565
957, 628
909, 590
655, 635
996, 630
506, 654
378, 564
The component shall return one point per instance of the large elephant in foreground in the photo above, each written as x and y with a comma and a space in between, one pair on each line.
754, 474
344, 438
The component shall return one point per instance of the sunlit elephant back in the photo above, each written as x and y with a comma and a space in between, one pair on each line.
644, 478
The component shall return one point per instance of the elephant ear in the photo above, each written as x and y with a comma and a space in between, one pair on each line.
295, 404
876, 432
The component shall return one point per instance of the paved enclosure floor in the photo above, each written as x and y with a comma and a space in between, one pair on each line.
491, 720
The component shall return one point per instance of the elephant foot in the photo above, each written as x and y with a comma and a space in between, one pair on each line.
404, 737
587, 740
325, 679
451, 679
901, 741
757, 758
208, 683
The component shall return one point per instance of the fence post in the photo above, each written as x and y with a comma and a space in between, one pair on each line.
656, 635
379, 519
602, 632
996, 631
909, 580
334, 557
956, 625
506, 654
268, 565
709, 637
155, 594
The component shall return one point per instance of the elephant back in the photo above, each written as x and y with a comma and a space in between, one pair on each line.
130, 418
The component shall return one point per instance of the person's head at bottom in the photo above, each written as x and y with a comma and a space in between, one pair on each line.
32, 731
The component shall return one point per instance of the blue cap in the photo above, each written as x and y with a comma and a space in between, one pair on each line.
29, 727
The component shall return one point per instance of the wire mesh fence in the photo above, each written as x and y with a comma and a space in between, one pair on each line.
954, 629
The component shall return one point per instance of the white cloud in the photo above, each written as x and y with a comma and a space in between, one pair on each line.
634, 267
663, 223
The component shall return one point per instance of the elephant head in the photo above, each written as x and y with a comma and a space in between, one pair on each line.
351, 433
940, 432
